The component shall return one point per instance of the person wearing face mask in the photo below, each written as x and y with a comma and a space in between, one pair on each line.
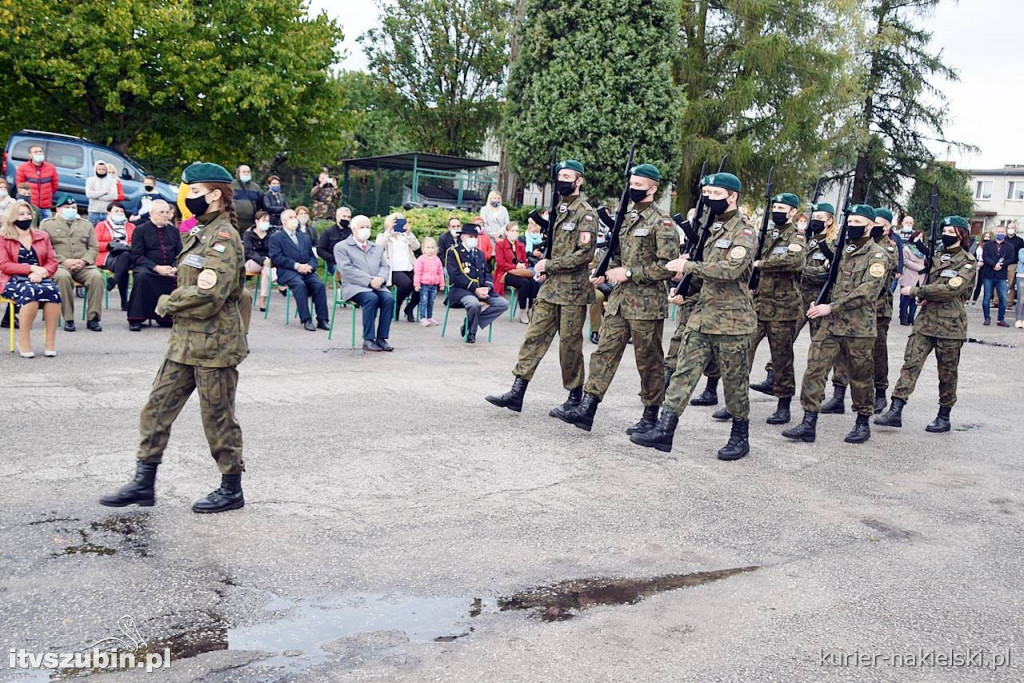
821, 240
996, 257
801, 222
291, 252
400, 245
114, 240
324, 194
27, 265
149, 195
74, 242
912, 275
306, 227
561, 305
637, 306
155, 247
101, 189
449, 238
778, 304
42, 177
329, 238
248, 197
1015, 241
941, 326
847, 329
471, 284
256, 241
495, 217
274, 201
206, 344
6, 197
364, 275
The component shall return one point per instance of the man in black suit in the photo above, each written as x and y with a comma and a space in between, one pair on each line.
292, 254
448, 239
472, 284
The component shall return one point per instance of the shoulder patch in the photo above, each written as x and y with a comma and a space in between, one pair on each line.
207, 279
955, 282
585, 236
876, 270
737, 252
795, 247
588, 219
220, 248
666, 223
224, 235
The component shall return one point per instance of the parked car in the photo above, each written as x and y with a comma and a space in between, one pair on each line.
75, 159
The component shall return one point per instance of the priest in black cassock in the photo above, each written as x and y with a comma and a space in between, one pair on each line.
156, 244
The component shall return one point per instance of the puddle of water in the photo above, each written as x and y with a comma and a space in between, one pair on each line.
129, 533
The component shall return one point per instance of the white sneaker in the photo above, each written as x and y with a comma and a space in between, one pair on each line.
425, 322
50, 354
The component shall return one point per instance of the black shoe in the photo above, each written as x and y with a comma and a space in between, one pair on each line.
227, 497
563, 411
807, 430
708, 397
722, 414
738, 445
861, 431
880, 402
139, 491
69, 325
471, 339
409, 315
988, 321
660, 436
781, 414
462, 330
836, 404
941, 421
894, 416
165, 323
384, 346
371, 345
308, 326
94, 326
322, 325
512, 399
582, 415
647, 422
594, 337
111, 283
134, 326
767, 386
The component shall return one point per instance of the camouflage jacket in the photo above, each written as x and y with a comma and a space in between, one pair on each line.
862, 270
647, 242
815, 272
883, 308
568, 269
783, 258
211, 275
72, 239
724, 305
949, 286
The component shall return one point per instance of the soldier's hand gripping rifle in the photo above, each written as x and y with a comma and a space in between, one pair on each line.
686, 226
546, 226
755, 277
933, 235
825, 296
612, 241
696, 250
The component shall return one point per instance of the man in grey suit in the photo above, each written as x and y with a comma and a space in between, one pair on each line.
364, 274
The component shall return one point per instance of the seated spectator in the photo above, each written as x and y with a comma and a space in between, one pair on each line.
339, 232
27, 265
364, 276
494, 217
24, 193
306, 227
512, 270
533, 239
471, 284
74, 243
274, 202
427, 279
256, 241
101, 189
156, 244
448, 239
400, 245
484, 243
6, 198
291, 252
114, 240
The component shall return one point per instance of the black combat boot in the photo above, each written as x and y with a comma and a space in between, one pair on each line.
583, 415
660, 436
836, 404
880, 403
668, 378
767, 386
709, 397
941, 422
861, 431
227, 497
646, 422
722, 414
894, 416
781, 414
139, 491
513, 399
562, 412
807, 430
738, 445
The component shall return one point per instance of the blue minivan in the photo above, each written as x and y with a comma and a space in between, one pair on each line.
75, 159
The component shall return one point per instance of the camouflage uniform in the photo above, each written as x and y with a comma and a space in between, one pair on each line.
941, 324
682, 316
207, 342
76, 240
723, 319
778, 304
812, 279
850, 330
562, 302
323, 197
638, 307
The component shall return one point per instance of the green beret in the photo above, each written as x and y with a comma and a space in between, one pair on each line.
201, 172
787, 198
884, 214
823, 206
726, 181
956, 222
647, 171
862, 210
572, 165
61, 198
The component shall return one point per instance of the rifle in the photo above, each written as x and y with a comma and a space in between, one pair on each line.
680, 220
612, 241
755, 277
817, 194
696, 251
833, 266
549, 240
933, 237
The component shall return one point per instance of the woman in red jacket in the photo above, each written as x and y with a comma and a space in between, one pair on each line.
27, 265
114, 236
512, 270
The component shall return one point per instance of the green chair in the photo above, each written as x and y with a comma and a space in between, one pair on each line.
513, 301
344, 304
448, 307
106, 292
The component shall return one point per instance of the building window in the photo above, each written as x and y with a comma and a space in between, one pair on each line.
1015, 191
983, 189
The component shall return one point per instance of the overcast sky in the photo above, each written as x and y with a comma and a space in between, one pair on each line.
980, 38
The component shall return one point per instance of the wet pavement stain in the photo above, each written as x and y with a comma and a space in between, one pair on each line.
562, 601
967, 427
129, 533
888, 530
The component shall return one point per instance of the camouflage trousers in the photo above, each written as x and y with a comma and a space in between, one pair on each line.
825, 349
650, 359
672, 358
781, 334
549, 319
729, 353
880, 356
172, 388
947, 357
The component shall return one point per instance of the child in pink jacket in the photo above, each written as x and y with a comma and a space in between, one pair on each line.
428, 276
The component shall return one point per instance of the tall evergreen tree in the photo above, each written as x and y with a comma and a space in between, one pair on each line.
955, 197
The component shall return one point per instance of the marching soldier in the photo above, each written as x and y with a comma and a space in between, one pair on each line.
721, 324
820, 239
847, 329
637, 306
562, 303
207, 343
941, 325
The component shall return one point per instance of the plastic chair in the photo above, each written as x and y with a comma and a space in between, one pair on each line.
448, 307
106, 293
344, 304
10, 317
513, 301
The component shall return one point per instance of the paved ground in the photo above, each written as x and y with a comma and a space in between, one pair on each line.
388, 506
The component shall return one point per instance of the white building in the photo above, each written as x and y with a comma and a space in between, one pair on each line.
998, 197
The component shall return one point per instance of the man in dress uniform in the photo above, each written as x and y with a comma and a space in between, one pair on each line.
74, 243
471, 284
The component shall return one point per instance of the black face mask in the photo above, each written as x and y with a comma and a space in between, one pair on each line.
717, 206
636, 195
877, 232
855, 232
100, 175
780, 218
950, 240
197, 205
344, 222
25, 197
23, 224
149, 188
565, 188
817, 226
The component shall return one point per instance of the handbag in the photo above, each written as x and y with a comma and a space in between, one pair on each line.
520, 272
